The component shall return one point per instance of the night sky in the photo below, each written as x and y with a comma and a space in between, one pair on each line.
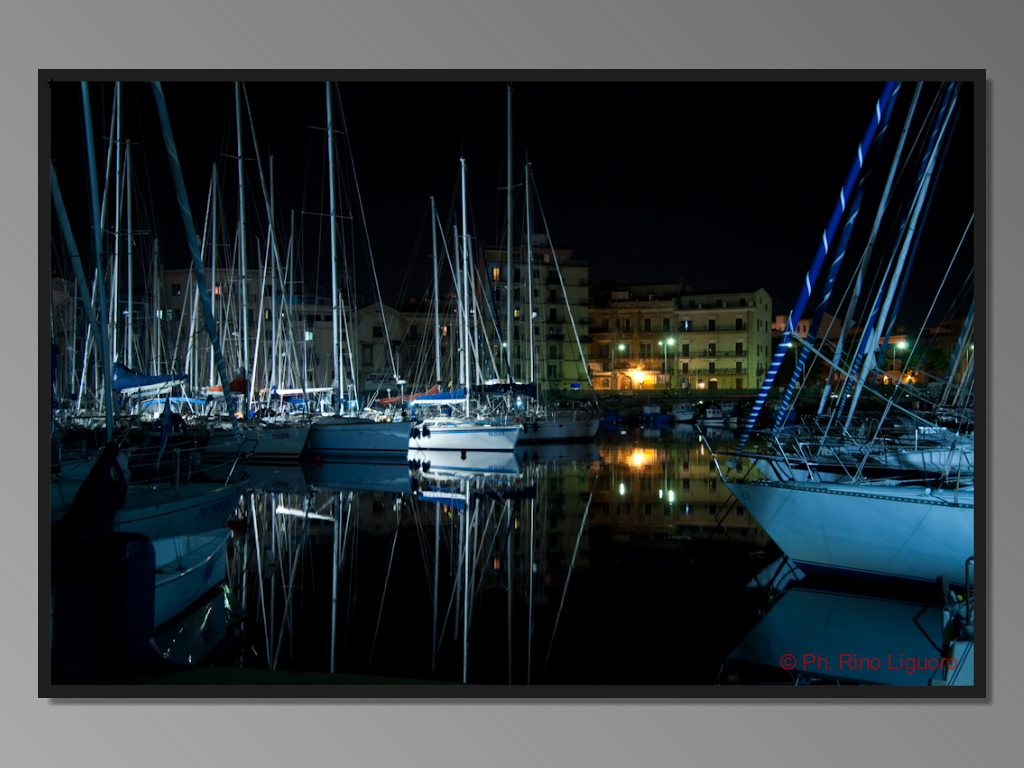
722, 185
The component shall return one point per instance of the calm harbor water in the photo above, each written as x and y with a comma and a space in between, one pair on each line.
622, 561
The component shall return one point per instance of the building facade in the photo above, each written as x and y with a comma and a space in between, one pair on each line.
554, 295
663, 336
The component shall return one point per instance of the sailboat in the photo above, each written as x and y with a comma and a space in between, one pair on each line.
462, 425
814, 497
345, 435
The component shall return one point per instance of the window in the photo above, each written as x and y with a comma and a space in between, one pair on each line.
536, 274
378, 332
552, 296
515, 314
552, 352
684, 324
684, 350
414, 331
711, 323
743, 302
266, 314
647, 323
604, 324
216, 290
712, 484
718, 303
553, 315
739, 383
517, 275
552, 371
645, 350
309, 335
684, 367
625, 323
712, 349
496, 274
665, 324
367, 354
176, 289
739, 348
711, 367
739, 367
739, 323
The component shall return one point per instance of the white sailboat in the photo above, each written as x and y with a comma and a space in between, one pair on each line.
819, 503
464, 425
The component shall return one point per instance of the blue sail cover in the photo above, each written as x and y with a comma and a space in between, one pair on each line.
124, 378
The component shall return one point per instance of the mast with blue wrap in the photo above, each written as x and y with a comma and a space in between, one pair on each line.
837, 261
819, 259
193, 246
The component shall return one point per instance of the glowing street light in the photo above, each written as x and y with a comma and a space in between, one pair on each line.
664, 348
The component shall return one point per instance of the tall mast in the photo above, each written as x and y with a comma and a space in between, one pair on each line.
243, 267
465, 282
117, 228
154, 317
128, 174
213, 279
334, 258
529, 279
273, 288
437, 296
508, 273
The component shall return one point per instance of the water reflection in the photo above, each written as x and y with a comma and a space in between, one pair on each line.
518, 573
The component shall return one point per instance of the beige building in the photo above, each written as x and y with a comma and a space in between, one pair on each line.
664, 336
560, 299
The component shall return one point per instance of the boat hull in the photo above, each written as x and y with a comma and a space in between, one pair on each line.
187, 567
560, 430
463, 436
907, 533
338, 437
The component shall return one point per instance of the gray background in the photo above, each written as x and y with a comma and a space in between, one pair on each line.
806, 34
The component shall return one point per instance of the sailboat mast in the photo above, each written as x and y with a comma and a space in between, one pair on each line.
154, 317
117, 227
465, 283
508, 272
128, 174
275, 355
336, 345
213, 278
437, 296
529, 279
243, 267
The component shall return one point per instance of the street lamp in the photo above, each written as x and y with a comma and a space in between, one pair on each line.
621, 347
664, 347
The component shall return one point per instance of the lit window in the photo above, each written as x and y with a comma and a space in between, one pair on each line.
496, 272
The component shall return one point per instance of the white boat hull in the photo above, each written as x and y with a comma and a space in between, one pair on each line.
883, 531
187, 567
559, 430
338, 437
444, 435
277, 443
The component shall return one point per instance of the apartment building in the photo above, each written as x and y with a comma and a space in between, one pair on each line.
665, 336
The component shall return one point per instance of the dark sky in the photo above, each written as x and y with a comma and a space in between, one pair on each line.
722, 185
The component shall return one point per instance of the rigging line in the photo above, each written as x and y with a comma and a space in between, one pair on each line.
366, 231
387, 578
